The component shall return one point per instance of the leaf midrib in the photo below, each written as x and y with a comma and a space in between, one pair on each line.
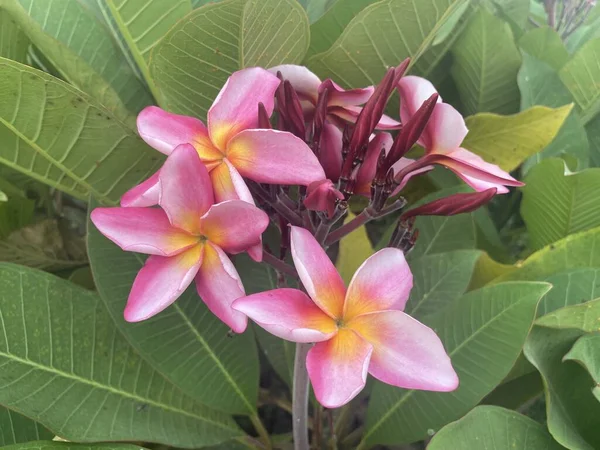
385, 416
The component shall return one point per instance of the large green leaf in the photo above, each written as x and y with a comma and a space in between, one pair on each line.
580, 76
507, 141
540, 85
573, 196
593, 134
545, 44
56, 445
486, 62
584, 316
585, 352
515, 11
354, 249
572, 411
438, 280
194, 59
186, 342
573, 252
496, 429
325, 31
65, 365
13, 42
142, 25
82, 49
15, 429
380, 36
58, 135
483, 332
570, 288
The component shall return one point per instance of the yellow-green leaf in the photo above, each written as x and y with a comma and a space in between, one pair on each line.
487, 269
354, 250
509, 140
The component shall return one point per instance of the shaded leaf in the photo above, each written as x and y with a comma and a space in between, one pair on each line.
570, 288
585, 352
486, 62
192, 347
573, 414
483, 332
82, 49
584, 317
65, 365
58, 135
497, 429
14, 43
507, 141
16, 429
54, 445
438, 280
517, 391
593, 134
195, 58
545, 44
580, 75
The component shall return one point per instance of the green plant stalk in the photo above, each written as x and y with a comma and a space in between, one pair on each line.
300, 398
261, 430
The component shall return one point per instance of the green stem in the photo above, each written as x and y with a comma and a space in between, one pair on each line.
261, 430
300, 398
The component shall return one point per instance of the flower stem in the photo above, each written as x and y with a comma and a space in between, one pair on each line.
262, 432
300, 398
279, 265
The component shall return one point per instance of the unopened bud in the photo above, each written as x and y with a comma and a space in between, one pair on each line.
263, 117
453, 204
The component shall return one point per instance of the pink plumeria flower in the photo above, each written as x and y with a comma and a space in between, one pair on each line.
231, 146
358, 330
187, 240
443, 135
322, 196
342, 106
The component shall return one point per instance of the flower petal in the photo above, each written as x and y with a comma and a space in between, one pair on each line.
366, 173
413, 92
322, 196
143, 230
164, 131
330, 151
234, 225
338, 368
236, 107
337, 96
160, 282
350, 114
219, 285
144, 194
289, 314
406, 353
228, 184
382, 282
317, 273
185, 188
271, 156
446, 129
302, 80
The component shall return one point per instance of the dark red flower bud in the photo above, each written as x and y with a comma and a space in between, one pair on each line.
294, 111
263, 117
452, 205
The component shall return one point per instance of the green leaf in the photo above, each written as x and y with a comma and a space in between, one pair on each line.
507, 141
13, 42
191, 347
280, 353
483, 332
195, 58
584, 317
82, 49
517, 391
486, 62
580, 76
585, 352
571, 409
574, 251
573, 196
66, 366
569, 288
593, 134
61, 137
354, 249
56, 445
438, 280
325, 31
516, 11
15, 429
495, 428
363, 52
143, 24
486, 270
545, 44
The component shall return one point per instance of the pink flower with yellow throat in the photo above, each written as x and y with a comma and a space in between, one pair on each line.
187, 238
358, 330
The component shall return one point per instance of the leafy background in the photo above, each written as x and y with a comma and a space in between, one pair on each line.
510, 288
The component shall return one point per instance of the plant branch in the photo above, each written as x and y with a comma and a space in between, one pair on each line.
300, 398
277, 204
279, 265
262, 432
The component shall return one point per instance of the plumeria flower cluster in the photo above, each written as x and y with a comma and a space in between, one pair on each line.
281, 148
